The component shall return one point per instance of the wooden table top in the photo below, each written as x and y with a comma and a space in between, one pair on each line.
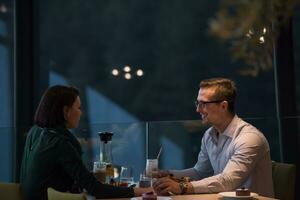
200, 197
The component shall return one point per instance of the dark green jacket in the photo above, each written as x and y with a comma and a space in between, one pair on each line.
52, 158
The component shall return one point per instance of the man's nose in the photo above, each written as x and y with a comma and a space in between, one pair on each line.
198, 108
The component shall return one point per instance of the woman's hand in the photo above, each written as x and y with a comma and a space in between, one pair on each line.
140, 191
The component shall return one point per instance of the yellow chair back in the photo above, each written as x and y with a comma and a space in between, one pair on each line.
56, 195
10, 191
284, 176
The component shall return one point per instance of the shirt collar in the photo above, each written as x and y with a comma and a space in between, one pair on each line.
229, 131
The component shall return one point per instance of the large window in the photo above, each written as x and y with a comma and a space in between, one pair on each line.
81, 43
7, 140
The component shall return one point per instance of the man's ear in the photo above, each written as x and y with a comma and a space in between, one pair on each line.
66, 112
224, 105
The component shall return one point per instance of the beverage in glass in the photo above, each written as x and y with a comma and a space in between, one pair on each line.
152, 168
99, 171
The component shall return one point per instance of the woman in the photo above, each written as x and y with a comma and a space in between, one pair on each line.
52, 155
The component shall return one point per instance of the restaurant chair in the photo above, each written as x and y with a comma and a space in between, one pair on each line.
284, 176
56, 195
10, 191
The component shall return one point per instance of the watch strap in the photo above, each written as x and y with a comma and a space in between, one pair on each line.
183, 187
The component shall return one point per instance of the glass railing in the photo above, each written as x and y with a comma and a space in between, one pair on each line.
133, 143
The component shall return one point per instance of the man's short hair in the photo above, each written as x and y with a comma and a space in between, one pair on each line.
49, 113
224, 90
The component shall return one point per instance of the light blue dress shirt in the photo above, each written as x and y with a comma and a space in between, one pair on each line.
238, 157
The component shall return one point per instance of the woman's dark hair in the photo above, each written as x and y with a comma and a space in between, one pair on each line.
49, 113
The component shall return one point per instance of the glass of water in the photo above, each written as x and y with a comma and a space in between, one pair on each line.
145, 181
126, 177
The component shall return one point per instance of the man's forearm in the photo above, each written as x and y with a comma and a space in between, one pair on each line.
191, 172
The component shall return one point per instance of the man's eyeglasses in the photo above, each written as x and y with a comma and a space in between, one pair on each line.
203, 103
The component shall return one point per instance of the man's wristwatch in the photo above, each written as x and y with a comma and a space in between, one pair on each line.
183, 187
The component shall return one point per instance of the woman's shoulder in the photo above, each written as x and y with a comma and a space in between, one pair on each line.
56, 134
48, 135
65, 136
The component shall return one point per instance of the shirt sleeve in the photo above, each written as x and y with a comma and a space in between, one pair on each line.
191, 172
71, 162
202, 168
248, 150
203, 165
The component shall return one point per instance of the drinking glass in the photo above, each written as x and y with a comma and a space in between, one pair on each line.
145, 181
99, 171
152, 168
126, 177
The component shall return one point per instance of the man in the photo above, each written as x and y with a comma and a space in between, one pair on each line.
233, 153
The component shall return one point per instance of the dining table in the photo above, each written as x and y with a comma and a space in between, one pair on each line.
198, 197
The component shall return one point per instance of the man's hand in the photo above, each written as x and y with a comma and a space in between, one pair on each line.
165, 186
162, 173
